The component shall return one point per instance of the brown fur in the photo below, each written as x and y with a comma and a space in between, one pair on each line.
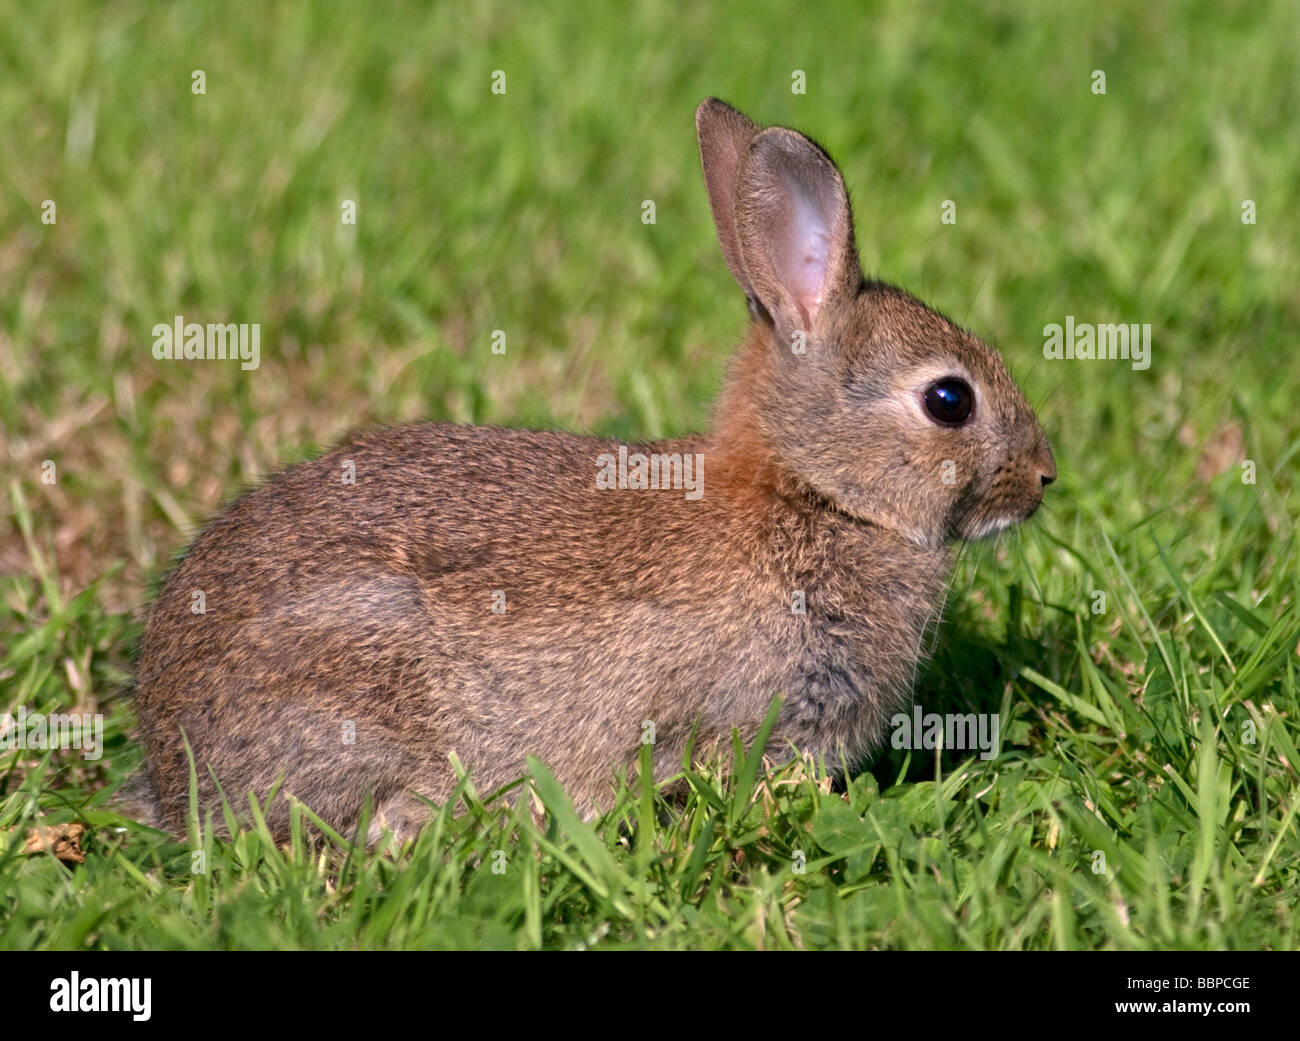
370, 604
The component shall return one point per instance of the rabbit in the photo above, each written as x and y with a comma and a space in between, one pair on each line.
438, 591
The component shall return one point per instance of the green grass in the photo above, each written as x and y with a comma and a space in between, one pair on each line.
1158, 728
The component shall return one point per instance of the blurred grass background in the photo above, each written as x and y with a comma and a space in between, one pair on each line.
522, 212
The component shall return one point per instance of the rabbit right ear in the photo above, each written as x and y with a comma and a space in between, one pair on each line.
724, 135
795, 230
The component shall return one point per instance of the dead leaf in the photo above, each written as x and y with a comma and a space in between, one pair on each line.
63, 840
1220, 452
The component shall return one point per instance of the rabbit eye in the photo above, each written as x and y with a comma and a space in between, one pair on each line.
949, 402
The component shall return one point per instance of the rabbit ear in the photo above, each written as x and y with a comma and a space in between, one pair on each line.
795, 229
724, 135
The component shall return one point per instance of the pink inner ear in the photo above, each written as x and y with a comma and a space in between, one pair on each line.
807, 253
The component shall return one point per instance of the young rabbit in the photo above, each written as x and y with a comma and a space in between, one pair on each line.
491, 593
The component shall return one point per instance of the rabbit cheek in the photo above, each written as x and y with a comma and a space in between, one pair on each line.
964, 517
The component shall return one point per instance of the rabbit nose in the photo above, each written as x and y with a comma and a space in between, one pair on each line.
1046, 465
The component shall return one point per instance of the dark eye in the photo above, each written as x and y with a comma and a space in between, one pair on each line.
949, 402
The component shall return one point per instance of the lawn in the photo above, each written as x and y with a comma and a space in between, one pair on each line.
1140, 638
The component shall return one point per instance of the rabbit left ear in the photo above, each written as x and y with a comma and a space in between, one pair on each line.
724, 135
795, 230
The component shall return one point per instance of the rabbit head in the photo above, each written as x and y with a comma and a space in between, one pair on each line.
879, 404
